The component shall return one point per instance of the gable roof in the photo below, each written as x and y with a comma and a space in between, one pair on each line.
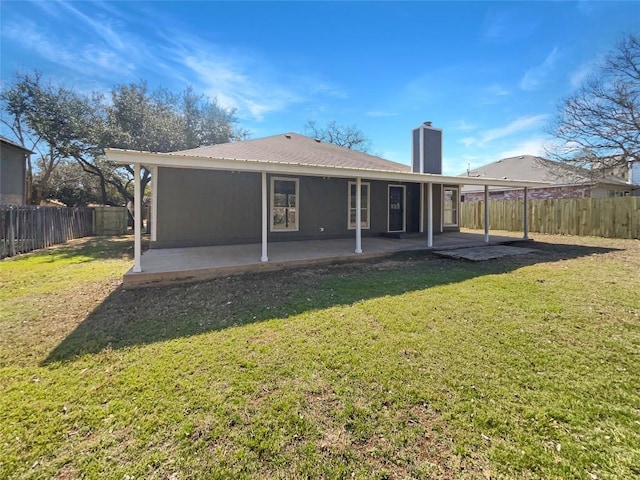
295, 149
6, 141
294, 154
538, 169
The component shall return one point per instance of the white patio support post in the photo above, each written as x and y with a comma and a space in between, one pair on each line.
525, 222
358, 215
137, 216
265, 218
430, 215
486, 213
421, 207
154, 203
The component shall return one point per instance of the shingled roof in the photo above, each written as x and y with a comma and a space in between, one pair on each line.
538, 169
7, 141
295, 149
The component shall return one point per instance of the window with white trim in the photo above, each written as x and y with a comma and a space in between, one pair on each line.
364, 205
284, 204
450, 207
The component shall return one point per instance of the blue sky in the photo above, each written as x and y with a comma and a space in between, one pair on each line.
490, 74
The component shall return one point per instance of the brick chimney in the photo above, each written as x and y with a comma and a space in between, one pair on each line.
426, 149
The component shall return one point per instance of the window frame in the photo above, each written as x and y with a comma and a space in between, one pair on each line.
456, 196
296, 181
353, 226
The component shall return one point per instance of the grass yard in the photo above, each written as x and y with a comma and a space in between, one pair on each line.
411, 367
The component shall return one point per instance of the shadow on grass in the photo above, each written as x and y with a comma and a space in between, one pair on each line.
88, 249
137, 317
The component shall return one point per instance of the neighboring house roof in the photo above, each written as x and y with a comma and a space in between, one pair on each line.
538, 169
296, 149
6, 141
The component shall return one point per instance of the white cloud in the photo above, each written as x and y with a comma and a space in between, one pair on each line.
518, 125
381, 113
102, 29
464, 126
530, 146
534, 77
469, 141
522, 136
89, 58
577, 77
492, 95
105, 43
244, 80
237, 84
503, 24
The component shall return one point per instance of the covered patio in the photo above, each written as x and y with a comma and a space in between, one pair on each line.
232, 208
165, 266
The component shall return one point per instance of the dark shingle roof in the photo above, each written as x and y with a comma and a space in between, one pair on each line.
295, 149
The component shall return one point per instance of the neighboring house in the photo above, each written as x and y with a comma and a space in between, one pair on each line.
13, 176
566, 181
291, 187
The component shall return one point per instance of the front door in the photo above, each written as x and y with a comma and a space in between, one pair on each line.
396, 208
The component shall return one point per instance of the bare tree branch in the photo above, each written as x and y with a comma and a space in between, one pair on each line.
598, 127
348, 136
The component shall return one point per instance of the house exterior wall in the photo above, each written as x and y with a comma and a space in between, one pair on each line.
12, 175
602, 191
208, 207
205, 207
634, 177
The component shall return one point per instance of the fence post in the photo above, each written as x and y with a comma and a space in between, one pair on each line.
12, 232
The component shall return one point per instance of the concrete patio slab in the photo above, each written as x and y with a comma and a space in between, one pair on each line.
178, 265
489, 252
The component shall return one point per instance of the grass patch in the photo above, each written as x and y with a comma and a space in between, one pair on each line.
413, 367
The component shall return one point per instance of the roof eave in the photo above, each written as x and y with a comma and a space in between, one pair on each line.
169, 160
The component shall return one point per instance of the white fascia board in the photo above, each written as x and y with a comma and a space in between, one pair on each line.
129, 157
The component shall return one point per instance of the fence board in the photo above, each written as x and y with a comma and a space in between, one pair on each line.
600, 217
27, 228
110, 220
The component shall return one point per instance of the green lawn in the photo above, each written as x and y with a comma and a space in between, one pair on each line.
410, 367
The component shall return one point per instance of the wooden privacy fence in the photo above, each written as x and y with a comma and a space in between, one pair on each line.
109, 220
27, 228
598, 217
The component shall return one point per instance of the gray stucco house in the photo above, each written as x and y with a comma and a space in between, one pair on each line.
291, 187
13, 181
